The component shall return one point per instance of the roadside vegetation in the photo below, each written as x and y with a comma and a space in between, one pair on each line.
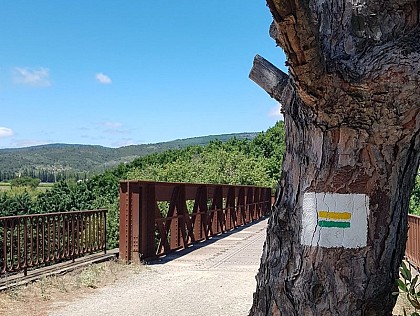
415, 198
49, 293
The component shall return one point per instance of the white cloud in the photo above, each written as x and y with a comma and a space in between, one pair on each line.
123, 142
36, 77
113, 128
113, 125
6, 132
275, 112
102, 78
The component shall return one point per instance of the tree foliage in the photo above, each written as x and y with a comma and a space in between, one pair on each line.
415, 198
217, 163
25, 181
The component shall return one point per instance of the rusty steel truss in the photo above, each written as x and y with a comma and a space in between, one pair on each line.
159, 217
31, 241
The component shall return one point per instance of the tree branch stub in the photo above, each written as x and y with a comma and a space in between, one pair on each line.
271, 79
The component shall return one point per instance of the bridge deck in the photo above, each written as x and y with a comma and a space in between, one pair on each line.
215, 278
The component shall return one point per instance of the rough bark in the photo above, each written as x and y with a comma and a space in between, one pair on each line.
352, 116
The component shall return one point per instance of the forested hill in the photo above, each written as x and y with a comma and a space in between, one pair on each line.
59, 159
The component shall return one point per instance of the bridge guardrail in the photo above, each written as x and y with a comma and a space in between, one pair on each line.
159, 217
412, 250
31, 241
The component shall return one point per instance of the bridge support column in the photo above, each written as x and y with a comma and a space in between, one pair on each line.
137, 221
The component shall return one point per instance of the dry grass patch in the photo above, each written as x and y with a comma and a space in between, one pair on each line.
40, 297
402, 303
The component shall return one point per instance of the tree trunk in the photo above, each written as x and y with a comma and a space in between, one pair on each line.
338, 231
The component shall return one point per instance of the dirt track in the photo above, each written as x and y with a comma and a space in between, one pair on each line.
216, 279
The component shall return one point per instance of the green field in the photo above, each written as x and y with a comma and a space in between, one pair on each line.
41, 188
4, 186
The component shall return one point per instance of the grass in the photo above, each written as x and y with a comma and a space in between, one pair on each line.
90, 277
43, 187
4, 186
47, 294
46, 185
402, 303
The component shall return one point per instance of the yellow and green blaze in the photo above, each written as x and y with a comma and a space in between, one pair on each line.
334, 219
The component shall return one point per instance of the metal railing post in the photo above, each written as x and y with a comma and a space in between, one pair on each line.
147, 218
125, 223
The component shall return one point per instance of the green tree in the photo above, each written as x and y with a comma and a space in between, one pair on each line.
271, 146
415, 198
25, 182
16, 203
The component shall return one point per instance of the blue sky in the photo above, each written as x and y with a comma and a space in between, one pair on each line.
115, 73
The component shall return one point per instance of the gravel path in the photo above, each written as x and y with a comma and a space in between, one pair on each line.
215, 279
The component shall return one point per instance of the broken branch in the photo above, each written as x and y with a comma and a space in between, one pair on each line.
269, 77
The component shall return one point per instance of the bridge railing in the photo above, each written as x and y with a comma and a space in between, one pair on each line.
31, 241
158, 217
412, 250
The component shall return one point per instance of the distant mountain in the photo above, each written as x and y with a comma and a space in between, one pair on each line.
91, 158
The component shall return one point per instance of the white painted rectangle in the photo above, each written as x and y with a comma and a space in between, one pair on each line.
334, 220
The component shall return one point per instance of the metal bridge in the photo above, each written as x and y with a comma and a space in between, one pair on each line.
156, 219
